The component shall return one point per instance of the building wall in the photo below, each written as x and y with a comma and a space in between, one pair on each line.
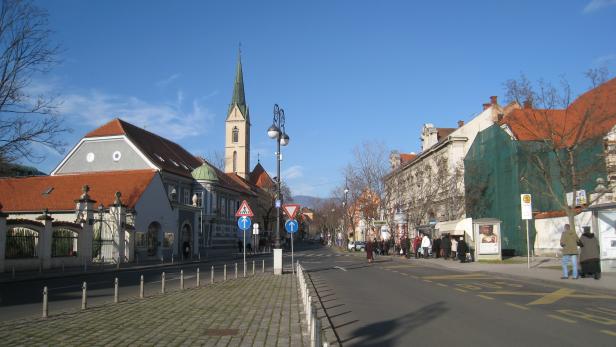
101, 153
241, 147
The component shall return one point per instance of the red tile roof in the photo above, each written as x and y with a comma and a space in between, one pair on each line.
27, 194
405, 157
597, 108
442, 133
167, 155
260, 178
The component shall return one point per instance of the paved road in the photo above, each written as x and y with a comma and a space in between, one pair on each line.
23, 299
400, 303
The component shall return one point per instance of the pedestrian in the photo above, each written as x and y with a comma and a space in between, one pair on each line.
462, 249
569, 242
589, 254
186, 249
454, 248
436, 247
446, 246
369, 250
425, 245
239, 246
417, 246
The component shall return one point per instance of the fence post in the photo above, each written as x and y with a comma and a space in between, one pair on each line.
162, 283
253, 267
198, 278
244, 269
116, 289
212, 275
182, 279
45, 303
316, 329
84, 295
235, 270
141, 291
263, 266
224, 277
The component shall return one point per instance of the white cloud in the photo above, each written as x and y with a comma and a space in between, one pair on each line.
295, 171
595, 5
165, 81
172, 120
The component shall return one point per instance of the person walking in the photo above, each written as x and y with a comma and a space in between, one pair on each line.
425, 245
569, 242
462, 249
369, 250
589, 254
454, 248
417, 246
446, 246
436, 247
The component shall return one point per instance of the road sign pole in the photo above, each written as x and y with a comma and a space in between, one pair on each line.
244, 232
527, 246
292, 260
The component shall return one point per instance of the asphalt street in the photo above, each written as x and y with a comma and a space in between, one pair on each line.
402, 303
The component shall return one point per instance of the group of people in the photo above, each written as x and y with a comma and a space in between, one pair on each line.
444, 247
589, 253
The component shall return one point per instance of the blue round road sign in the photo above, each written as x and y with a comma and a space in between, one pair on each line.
291, 226
244, 223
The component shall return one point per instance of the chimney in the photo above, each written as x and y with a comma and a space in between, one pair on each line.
500, 117
460, 123
486, 106
493, 100
528, 103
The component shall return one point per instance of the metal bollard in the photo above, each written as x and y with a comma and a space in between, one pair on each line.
198, 278
45, 303
263, 266
172, 258
212, 275
162, 283
116, 291
182, 279
244, 269
84, 295
308, 309
253, 267
141, 291
235, 270
315, 336
224, 277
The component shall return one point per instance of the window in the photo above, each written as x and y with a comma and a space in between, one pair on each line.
235, 135
223, 206
140, 241
234, 161
64, 243
168, 240
173, 193
199, 198
186, 197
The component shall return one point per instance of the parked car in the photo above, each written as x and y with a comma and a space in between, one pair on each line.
351, 246
360, 246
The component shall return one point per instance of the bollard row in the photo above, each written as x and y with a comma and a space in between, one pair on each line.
312, 321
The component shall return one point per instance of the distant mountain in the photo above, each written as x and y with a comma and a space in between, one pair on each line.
308, 201
17, 170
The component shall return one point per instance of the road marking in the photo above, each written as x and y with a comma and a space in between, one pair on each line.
485, 297
517, 306
404, 274
341, 268
457, 277
442, 285
461, 290
603, 310
589, 317
553, 297
428, 281
400, 266
416, 277
561, 318
611, 333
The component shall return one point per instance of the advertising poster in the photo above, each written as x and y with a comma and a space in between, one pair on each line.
488, 240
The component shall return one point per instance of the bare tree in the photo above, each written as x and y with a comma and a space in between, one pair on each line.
561, 139
216, 158
26, 119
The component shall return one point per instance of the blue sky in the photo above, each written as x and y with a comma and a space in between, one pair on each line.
344, 71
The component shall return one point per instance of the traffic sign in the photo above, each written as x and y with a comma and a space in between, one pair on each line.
526, 202
244, 223
291, 225
255, 229
290, 210
244, 210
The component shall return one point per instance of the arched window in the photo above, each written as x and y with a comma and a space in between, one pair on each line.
21, 242
235, 135
64, 243
234, 161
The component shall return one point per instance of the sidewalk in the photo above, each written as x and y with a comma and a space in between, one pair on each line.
262, 310
545, 269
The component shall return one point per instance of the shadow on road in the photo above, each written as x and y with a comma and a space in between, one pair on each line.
386, 332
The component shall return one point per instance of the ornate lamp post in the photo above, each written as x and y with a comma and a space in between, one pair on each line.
277, 132
344, 211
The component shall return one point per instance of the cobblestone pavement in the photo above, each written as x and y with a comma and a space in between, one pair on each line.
262, 310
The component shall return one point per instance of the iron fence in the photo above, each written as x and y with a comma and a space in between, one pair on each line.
64, 243
21, 243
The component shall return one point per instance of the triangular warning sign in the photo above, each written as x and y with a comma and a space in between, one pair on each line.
244, 210
290, 210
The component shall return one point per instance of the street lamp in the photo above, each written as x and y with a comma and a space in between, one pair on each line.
277, 132
344, 216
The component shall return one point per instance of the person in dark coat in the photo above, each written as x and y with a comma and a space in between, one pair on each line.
436, 245
446, 246
589, 254
369, 250
462, 249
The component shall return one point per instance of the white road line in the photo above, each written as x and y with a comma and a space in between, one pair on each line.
340, 267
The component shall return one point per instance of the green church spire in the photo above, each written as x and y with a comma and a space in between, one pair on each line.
238, 89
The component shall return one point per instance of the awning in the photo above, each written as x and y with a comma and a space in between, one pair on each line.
457, 227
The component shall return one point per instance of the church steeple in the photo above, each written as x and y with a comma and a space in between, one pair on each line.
239, 98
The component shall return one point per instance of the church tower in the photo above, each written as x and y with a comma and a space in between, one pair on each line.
237, 129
